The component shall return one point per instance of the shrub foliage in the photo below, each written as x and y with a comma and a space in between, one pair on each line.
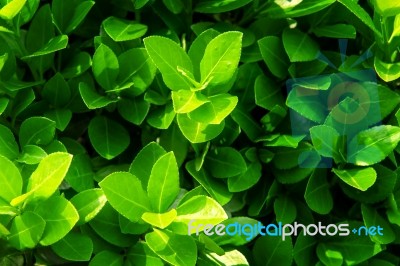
125, 121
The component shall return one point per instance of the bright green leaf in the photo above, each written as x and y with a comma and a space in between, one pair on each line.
59, 221
360, 178
125, 193
123, 30
108, 137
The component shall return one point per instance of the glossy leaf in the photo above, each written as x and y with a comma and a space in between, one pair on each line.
124, 190
88, 204
299, 46
74, 247
9, 147
362, 178
163, 186
179, 250
122, 30
45, 180
26, 230
37, 131
221, 56
373, 145
59, 221
169, 57
105, 67
108, 137
10, 180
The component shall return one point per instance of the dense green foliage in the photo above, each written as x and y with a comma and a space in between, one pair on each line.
124, 121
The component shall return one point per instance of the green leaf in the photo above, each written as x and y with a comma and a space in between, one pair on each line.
215, 110
267, 93
46, 178
91, 98
77, 65
161, 117
74, 247
143, 163
169, 57
230, 257
299, 46
388, 100
354, 249
210, 245
373, 145
55, 44
372, 218
10, 180
105, 67
56, 91
11, 9
215, 188
197, 132
285, 209
317, 195
386, 8
160, 220
175, 6
88, 204
219, 6
108, 226
163, 186
62, 117
134, 110
360, 13
225, 162
198, 47
304, 249
36, 131
179, 250
138, 68
221, 58
26, 230
135, 228
380, 190
8, 146
3, 103
360, 178
141, 254
59, 221
123, 30
307, 103
329, 257
325, 140
68, 16
106, 257
195, 213
273, 251
247, 179
291, 9
313, 83
185, 101
283, 141
125, 194
108, 137
31, 154
339, 31
274, 55
246, 122
386, 71
80, 174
